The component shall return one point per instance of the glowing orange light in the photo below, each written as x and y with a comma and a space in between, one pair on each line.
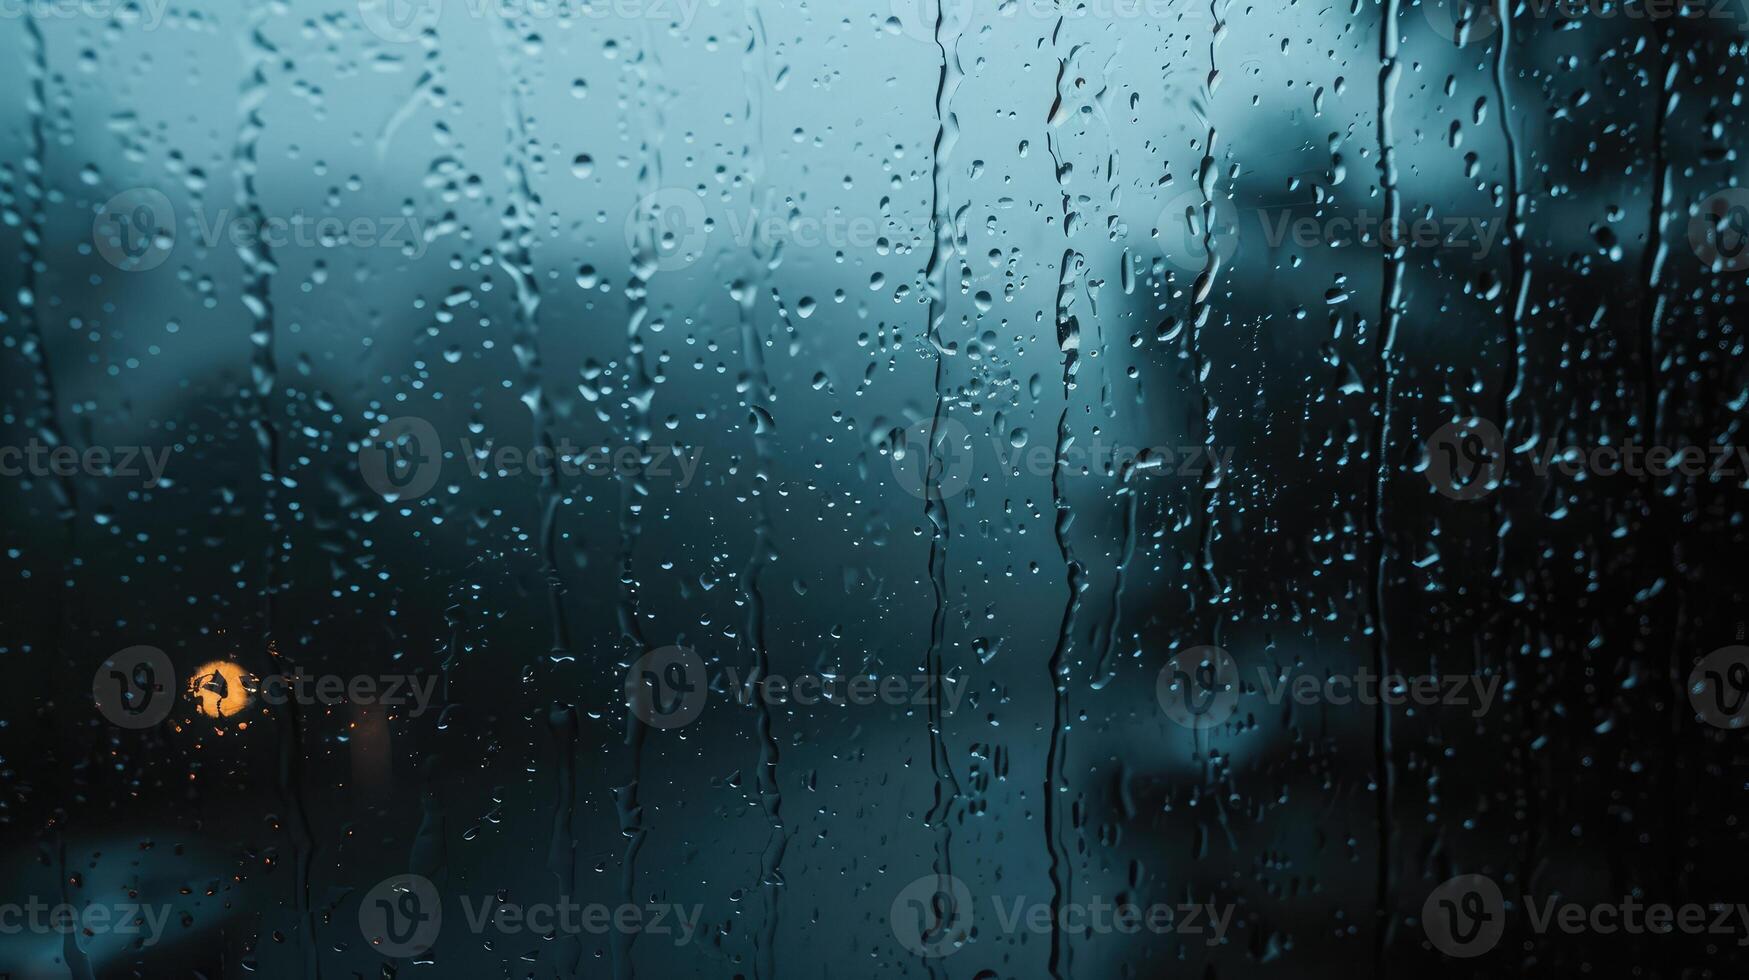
220, 689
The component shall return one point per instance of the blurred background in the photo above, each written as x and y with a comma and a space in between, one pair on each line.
910, 331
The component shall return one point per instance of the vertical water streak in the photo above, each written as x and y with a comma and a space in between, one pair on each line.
1513, 385
1104, 671
1657, 249
640, 391
1390, 315
515, 256
757, 388
1200, 309
941, 252
47, 425
258, 264
1061, 956
562, 844
78, 962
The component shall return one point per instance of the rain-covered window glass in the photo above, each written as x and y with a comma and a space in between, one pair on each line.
937, 488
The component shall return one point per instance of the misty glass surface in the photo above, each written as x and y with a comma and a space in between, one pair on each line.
657, 488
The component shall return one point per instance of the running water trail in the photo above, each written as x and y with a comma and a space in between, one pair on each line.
757, 393
257, 297
1657, 249
645, 71
1062, 956
47, 425
1512, 385
941, 253
515, 256
562, 844
1390, 312
1207, 174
